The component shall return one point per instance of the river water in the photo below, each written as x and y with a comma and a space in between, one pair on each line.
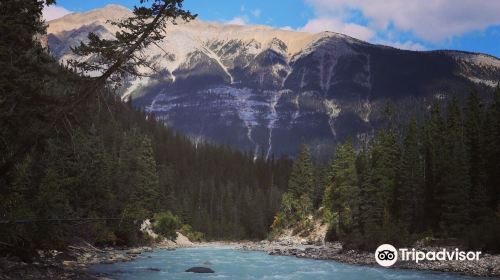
235, 264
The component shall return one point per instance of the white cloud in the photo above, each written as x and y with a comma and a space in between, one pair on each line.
256, 12
406, 45
237, 21
287, 28
336, 25
430, 20
54, 12
357, 31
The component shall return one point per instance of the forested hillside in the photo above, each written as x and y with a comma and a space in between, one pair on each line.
435, 178
69, 150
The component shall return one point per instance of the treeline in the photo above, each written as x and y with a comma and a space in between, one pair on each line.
437, 177
65, 153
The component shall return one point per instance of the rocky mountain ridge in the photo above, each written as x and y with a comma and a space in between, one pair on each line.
265, 90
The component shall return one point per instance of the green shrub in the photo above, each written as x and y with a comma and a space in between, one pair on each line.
304, 207
293, 210
166, 224
277, 225
288, 211
194, 236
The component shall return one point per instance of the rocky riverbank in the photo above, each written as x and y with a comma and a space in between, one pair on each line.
488, 265
73, 263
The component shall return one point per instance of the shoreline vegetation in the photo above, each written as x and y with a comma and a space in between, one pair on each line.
75, 261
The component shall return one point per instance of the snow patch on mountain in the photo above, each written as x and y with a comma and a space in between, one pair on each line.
366, 110
241, 99
333, 111
490, 83
272, 117
296, 114
218, 60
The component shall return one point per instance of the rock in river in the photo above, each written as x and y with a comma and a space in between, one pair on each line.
199, 269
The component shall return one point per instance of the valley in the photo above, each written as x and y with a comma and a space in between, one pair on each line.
150, 143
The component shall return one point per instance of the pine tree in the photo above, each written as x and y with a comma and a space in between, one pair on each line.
168, 194
121, 56
411, 190
140, 183
455, 183
52, 198
301, 178
475, 157
492, 153
366, 191
385, 163
341, 196
434, 153
321, 180
25, 67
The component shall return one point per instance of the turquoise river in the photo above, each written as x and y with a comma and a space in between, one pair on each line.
235, 264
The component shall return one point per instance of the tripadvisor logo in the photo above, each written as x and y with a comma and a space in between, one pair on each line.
386, 255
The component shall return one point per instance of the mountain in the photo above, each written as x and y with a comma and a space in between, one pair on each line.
266, 90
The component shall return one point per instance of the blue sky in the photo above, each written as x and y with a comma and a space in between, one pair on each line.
470, 25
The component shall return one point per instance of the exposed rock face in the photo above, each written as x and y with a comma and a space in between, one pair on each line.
199, 269
147, 228
180, 241
313, 236
183, 241
266, 90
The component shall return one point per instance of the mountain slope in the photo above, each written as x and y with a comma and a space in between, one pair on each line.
266, 90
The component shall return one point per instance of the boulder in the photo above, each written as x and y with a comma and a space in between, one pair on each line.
200, 269
153, 269
182, 241
135, 251
70, 263
147, 249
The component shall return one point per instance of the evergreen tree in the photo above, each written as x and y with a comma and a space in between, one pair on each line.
140, 180
167, 189
24, 70
492, 152
301, 178
321, 180
385, 164
475, 157
366, 190
341, 196
121, 56
455, 183
411, 190
434, 156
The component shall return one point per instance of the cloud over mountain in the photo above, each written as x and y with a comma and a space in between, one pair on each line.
431, 20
